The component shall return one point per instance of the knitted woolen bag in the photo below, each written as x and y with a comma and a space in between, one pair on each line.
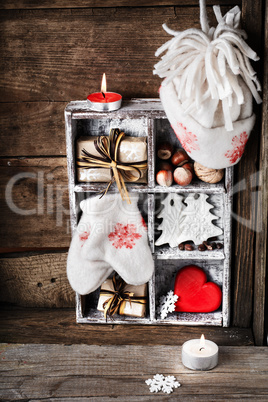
208, 87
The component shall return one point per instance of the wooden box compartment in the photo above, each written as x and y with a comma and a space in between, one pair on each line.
165, 273
90, 314
216, 201
87, 305
146, 118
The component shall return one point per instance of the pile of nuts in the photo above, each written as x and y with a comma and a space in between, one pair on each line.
173, 165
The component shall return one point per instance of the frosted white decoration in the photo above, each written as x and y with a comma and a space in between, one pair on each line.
167, 304
172, 219
197, 220
132, 152
161, 383
90, 174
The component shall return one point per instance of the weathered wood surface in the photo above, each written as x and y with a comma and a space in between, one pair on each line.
39, 65
32, 4
60, 54
34, 207
19, 325
245, 193
260, 293
36, 281
60, 372
32, 129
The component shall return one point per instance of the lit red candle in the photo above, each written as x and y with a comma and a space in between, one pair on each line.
104, 101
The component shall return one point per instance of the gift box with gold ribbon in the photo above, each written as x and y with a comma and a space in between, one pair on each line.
116, 296
131, 155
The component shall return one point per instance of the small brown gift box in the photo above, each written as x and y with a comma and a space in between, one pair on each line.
137, 307
131, 149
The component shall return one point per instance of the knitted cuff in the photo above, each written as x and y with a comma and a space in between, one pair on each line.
107, 204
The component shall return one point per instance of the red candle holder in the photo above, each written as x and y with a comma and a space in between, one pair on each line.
104, 101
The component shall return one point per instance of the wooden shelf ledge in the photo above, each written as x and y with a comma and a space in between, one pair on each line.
58, 326
103, 373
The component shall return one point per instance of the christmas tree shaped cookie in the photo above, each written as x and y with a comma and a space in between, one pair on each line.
197, 220
172, 219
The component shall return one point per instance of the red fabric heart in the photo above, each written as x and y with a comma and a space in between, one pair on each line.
196, 295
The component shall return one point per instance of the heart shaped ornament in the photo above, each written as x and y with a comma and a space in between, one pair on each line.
195, 294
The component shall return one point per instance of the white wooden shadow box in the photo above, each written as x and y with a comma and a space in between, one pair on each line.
146, 118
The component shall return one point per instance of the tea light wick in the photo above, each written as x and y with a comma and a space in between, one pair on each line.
103, 86
202, 343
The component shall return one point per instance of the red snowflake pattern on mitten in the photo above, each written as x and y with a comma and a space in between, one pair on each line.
124, 235
238, 144
83, 237
187, 139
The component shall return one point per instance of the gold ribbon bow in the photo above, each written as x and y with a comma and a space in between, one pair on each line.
108, 148
119, 297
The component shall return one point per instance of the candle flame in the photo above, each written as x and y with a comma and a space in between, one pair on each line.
202, 341
103, 84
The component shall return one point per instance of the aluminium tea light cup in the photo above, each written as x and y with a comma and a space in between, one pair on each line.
200, 354
104, 101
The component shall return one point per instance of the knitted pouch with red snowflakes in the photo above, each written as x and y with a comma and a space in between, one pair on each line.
114, 237
208, 87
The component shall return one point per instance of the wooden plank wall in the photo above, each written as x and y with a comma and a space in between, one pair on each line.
52, 52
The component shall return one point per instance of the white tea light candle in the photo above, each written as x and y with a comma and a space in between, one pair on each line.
200, 354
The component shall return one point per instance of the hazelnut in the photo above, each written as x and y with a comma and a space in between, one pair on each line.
208, 175
164, 178
179, 157
164, 165
188, 165
164, 150
182, 176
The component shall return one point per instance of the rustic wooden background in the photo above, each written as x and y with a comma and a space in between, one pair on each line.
52, 52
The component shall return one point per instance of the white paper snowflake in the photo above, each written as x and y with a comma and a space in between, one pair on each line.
167, 304
162, 383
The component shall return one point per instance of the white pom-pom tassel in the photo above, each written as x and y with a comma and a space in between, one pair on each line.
214, 57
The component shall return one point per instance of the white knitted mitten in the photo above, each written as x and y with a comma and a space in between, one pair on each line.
208, 87
115, 238
85, 275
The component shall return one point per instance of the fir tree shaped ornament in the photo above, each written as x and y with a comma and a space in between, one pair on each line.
208, 88
197, 220
172, 219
